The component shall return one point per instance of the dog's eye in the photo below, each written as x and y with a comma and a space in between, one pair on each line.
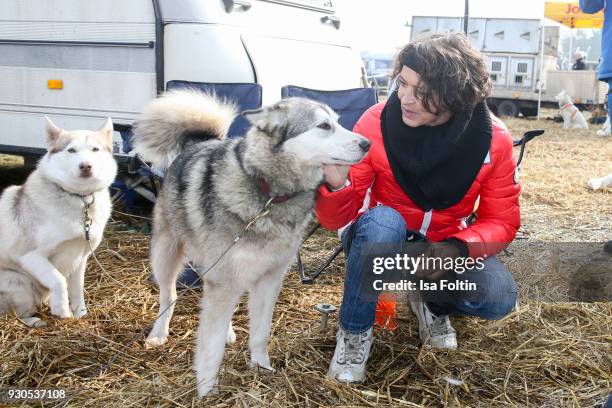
72, 150
95, 149
324, 126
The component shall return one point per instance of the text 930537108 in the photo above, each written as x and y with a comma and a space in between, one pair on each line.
16, 394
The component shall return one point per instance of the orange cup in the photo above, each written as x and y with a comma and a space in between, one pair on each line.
386, 313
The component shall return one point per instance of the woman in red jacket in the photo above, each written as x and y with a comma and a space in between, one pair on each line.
437, 155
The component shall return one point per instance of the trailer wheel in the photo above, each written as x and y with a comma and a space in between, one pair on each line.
508, 108
528, 111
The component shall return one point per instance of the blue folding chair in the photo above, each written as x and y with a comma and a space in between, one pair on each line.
349, 104
246, 96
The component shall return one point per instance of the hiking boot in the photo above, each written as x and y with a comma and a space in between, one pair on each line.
433, 330
351, 356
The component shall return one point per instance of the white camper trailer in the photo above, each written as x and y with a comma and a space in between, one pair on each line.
516, 54
82, 61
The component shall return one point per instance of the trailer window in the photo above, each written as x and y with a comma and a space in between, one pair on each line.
521, 67
518, 79
494, 77
318, 5
496, 66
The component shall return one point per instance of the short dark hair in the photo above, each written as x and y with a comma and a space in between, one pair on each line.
454, 76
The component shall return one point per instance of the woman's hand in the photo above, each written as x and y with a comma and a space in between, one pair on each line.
335, 175
439, 251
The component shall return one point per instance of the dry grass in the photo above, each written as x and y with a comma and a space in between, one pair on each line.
542, 355
556, 203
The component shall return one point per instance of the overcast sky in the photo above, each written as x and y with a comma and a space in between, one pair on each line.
381, 24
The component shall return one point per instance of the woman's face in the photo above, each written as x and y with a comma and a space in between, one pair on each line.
413, 112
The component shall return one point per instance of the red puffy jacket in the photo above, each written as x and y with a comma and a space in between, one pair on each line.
372, 183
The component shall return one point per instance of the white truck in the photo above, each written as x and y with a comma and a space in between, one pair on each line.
520, 61
82, 61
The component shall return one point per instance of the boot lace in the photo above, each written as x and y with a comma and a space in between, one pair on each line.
441, 326
354, 348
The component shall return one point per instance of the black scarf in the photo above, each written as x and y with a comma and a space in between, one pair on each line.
436, 165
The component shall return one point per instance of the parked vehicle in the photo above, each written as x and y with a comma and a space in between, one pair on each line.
379, 66
516, 55
80, 62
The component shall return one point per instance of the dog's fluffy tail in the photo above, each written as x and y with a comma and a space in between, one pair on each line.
177, 118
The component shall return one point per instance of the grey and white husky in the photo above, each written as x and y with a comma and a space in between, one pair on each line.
213, 187
43, 246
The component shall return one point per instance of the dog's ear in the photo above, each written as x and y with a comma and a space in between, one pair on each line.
107, 133
257, 118
53, 131
270, 120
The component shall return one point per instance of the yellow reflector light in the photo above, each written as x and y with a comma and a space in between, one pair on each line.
55, 84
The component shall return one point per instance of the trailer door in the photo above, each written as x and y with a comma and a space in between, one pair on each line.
272, 42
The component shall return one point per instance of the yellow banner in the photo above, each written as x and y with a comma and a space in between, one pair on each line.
570, 15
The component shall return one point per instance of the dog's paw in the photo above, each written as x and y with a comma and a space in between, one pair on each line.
154, 341
79, 312
34, 322
231, 336
61, 310
208, 388
262, 367
595, 184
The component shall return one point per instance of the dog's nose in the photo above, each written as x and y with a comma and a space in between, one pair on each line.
364, 145
85, 169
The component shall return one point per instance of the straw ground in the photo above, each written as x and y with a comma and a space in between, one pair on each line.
545, 354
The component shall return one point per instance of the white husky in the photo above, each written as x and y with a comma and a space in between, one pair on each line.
572, 117
43, 246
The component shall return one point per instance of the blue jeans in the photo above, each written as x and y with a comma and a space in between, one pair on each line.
497, 289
